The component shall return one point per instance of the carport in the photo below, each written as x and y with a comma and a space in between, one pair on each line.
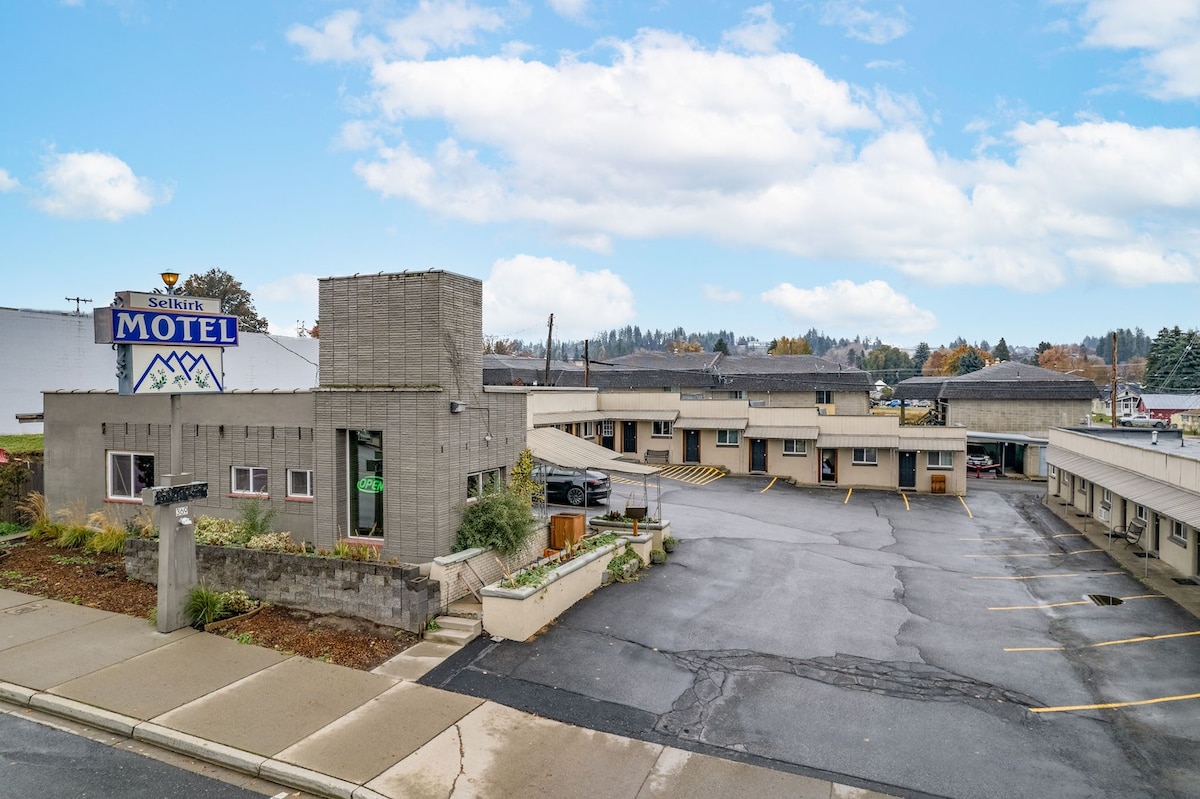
552, 446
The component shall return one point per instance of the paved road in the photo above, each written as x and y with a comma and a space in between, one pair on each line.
858, 636
40, 762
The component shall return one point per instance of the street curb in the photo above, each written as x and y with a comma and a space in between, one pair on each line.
307, 780
222, 755
78, 711
366, 793
16, 694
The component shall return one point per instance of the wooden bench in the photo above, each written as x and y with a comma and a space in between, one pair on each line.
662, 456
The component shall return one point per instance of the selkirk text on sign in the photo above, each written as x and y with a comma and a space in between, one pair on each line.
132, 326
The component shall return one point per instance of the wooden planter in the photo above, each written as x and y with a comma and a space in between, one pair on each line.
566, 528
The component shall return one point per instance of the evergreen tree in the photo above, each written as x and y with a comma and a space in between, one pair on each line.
1000, 353
920, 356
970, 362
721, 346
1173, 363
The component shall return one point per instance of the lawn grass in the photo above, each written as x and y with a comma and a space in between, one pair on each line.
21, 444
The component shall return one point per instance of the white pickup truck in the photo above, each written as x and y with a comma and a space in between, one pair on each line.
1140, 420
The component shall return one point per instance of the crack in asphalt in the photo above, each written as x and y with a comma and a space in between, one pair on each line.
898, 679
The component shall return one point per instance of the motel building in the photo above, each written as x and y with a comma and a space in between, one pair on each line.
1125, 477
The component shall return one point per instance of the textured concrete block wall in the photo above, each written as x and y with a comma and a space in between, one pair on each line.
397, 596
1033, 417
457, 576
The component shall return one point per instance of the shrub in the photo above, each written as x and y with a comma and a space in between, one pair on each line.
33, 510
501, 521
255, 517
110, 540
10, 528
273, 542
204, 606
214, 532
73, 536
141, 524
237, 602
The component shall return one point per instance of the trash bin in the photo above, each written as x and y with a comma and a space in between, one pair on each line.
566, 528
937, 484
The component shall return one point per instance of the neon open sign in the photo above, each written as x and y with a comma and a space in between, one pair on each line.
370, 485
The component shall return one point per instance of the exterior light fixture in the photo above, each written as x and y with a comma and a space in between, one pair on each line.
169, 279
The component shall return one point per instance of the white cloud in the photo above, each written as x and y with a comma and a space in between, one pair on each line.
300, 287
760, 33
523, 291
874, 27
873, 306
95, 185
669, 139
884, 64
358, 134
433, 25
571, 9
1167, 32
720, 293
8, 182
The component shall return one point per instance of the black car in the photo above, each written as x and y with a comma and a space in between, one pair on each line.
569, 485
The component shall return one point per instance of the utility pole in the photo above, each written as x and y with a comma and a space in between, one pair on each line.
549, 343
77, 300
1113, 395
587, 364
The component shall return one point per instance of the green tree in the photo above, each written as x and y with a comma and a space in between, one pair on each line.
721, 346
971, 361
1000, 353
889, 364
920, 356
1173, 363
235, 300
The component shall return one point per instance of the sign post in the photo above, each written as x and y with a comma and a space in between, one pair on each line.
170, 344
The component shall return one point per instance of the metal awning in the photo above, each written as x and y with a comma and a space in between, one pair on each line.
767, 431
642, 415
934, 444
1178, 503
693, 423
974, 436
834, 441
569, 417
551, 445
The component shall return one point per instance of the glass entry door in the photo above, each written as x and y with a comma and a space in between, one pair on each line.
365, 460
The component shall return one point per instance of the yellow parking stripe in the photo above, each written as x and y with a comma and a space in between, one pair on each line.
1045, 576
1068, 535
1111, 705
1022, 555
849, 491
1005, 538
906, 507
773, 479
1078, 602
964, 504
1139, 640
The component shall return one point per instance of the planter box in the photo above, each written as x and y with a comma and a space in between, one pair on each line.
566, 528
518, 613
658, 530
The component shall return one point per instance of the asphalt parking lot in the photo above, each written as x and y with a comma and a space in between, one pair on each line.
919, 645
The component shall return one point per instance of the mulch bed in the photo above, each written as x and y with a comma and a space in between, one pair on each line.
99, 581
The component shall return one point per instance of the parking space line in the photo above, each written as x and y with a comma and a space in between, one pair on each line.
773, 479
1139, 640
1068, 535
906, 507
964, 504
1020, 555
1077, 602
1044, 576
1006, 538
849, 491
1111, 705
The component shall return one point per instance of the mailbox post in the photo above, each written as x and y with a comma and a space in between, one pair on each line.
176, 546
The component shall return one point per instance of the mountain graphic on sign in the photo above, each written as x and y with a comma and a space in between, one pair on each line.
180, 368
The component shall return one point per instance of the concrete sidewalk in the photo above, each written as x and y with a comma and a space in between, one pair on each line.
334, 731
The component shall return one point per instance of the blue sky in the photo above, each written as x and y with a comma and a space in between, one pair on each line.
915, 172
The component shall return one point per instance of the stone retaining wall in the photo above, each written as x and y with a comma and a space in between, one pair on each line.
397, 596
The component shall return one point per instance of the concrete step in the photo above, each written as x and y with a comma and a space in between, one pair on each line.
465, 608
455, 630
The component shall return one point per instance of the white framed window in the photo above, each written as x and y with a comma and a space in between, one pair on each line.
1142, 513
1083, 487
795, 446
662, 430
738, 395
300, 483
728, 438
588, 429
606, 428
824, 397
128, 474
248, 480
865, 455
1053, 471
1179, 533
490, 481
941, 460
